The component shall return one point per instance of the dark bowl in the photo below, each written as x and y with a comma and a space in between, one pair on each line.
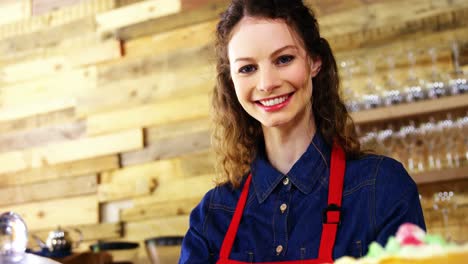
164, 241
117, 245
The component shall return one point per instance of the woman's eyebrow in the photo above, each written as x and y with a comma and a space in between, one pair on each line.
276, 52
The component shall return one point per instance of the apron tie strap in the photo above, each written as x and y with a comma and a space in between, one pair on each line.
332, 214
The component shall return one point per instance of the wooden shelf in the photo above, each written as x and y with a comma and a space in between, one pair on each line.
441, 175
416, 108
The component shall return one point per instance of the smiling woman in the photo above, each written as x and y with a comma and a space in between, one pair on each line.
272, 79
294, 185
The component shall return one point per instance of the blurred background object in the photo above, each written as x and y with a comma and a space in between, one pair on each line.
14, 240
104, 109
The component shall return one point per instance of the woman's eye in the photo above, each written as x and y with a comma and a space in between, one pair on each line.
285, 59
247, 69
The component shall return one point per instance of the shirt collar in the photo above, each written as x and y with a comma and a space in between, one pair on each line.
304, 173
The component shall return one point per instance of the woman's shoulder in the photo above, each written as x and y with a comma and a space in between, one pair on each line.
223, 196
378, 168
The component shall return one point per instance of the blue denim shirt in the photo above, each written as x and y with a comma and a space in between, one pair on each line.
378, 196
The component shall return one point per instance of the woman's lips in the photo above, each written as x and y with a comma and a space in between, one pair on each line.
274, 104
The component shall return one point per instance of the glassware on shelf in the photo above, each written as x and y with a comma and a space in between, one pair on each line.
413, 90
462, 139
445, 203
385, 141
372, 92
433, 142
429, 145
351, 98
435, 87
409, 132
458, 79
391, 94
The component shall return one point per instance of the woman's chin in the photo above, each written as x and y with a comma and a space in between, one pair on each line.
274, 123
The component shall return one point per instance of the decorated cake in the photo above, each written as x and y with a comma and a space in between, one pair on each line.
411, 245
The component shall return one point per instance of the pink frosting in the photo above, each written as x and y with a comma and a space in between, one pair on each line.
410, 234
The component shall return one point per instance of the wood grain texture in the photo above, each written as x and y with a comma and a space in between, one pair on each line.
53, 20
155, 134
59, 171
129, 67
56, 66
176, 110
178, 189
160, 210
38, 120
40, 7
170, 226
72, 151
134, 181
405, 110
51, 214
11, 11
191, 36
451, 19
157, 86
36, 109
138, 12
168, 148
103, 52
196, 164
208, 11
77, 186
90, 232
49, 35
41, 136
64, 85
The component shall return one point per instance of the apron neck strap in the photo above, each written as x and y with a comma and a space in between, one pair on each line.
231, 233
331, 214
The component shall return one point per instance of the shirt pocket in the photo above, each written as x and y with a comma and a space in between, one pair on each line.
247, 256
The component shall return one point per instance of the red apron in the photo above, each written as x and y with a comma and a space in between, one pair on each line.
331, 216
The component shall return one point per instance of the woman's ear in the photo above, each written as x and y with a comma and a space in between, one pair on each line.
315, 66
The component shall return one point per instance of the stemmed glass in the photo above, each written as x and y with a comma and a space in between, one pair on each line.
413, 90
391, 93
462, 139
410, 137
371, 97
435, 87
445, 203
458, 79
351, 98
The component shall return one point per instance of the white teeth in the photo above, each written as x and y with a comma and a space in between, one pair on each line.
275, 101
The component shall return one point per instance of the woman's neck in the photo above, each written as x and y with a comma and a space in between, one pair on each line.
285, 145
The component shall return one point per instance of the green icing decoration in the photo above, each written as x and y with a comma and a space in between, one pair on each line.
375, 250
434, 240
392, 245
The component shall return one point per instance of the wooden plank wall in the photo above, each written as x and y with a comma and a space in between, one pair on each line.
108, 101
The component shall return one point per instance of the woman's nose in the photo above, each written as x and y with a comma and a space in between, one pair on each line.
269, 80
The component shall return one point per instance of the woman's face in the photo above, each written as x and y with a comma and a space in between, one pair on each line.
271, 71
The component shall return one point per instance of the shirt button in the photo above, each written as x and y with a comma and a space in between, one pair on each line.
279, 249
286, 181
283, 208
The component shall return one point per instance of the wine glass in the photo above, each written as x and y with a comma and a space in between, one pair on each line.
409, 135
371, 97
350, 96
435, 87
458, 79
445, 203
391, 94
413, 90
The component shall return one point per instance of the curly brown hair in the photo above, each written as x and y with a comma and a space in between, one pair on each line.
237, 136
